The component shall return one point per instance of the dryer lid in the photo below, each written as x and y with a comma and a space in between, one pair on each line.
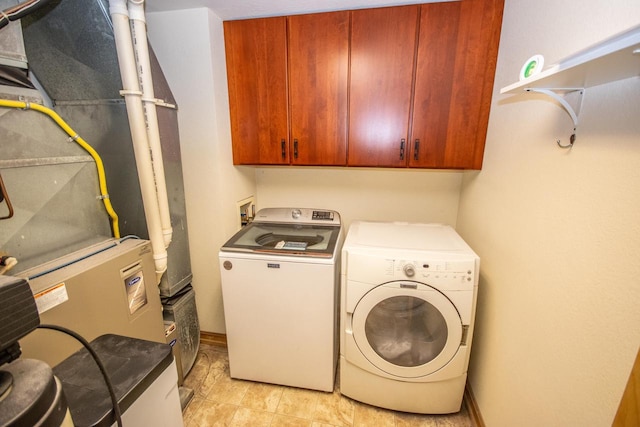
406, 236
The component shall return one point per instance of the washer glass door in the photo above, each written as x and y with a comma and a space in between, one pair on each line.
407, 329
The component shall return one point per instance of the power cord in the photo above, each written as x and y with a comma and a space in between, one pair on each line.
85, 343
20, 10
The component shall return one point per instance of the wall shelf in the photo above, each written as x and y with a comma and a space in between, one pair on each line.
613, 59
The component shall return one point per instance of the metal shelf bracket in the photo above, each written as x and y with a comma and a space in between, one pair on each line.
558, 95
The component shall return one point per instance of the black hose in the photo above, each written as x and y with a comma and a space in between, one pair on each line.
20, 10
85, 343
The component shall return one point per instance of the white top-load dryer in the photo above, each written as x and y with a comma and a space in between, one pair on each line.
280, 289
408, 304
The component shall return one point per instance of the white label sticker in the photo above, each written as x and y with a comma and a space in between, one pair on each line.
51, 297
299, 246
136, 293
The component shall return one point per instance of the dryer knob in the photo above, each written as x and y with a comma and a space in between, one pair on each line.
409, 270
295, 214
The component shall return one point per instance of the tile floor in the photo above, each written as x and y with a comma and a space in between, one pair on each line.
221, 401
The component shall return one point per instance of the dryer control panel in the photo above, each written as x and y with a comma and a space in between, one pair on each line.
442, 273
451, 274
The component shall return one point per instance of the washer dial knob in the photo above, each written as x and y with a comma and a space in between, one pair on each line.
409, 270
295, 214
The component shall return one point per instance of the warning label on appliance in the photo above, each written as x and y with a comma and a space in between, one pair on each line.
51, 297
136, 293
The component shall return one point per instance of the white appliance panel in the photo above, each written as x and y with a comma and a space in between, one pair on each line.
410, 236
110, 288
281, 320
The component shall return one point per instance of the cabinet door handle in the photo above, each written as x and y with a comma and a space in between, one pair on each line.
402, 141
295, 148
283, 147
416, 149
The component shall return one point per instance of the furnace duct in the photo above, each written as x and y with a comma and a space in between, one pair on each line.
102, 179
140, 104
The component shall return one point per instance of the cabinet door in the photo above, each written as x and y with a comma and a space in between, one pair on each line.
457, 52
382, 63
257, 78
318, 70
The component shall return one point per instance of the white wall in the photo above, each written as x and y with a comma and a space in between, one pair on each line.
558, 324
364, 194
189, 45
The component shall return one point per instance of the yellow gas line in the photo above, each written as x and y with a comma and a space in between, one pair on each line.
104, 194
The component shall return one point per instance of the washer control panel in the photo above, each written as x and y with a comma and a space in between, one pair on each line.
298, 216
322, 215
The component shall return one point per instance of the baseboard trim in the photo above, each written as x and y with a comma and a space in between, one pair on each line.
472, 407
212, 338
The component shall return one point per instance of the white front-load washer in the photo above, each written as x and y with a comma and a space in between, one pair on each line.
408, 297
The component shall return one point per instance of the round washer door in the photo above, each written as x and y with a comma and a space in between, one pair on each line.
406, 329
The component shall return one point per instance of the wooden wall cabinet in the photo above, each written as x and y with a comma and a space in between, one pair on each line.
421, 84
288, 89
256, 52
383, 44
318, 73
404, 86
455, 69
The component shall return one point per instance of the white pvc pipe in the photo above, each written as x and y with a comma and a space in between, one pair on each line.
135, 113
141, 49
